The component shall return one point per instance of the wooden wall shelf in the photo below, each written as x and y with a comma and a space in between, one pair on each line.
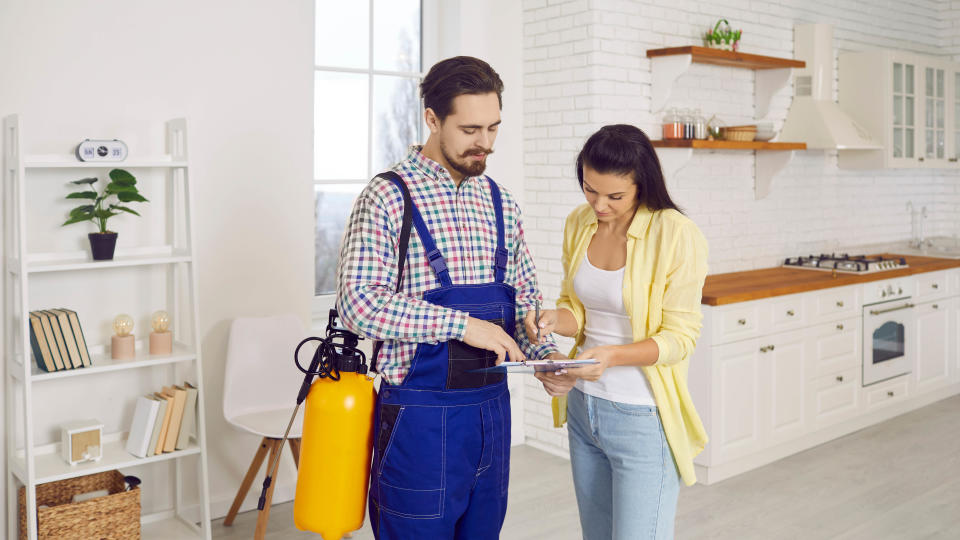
729, 145
705, 55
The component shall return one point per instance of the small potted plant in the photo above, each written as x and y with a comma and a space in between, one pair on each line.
722, 38
122, 186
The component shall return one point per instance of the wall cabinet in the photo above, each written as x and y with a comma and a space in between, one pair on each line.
913, 115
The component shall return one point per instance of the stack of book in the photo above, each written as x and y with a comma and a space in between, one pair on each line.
164, 421
57, 340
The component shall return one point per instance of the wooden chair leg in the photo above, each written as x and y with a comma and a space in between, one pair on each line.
264, 515
295, 450
247, 480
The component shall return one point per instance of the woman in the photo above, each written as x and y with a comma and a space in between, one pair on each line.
634, 268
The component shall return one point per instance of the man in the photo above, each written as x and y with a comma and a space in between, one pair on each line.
442, 428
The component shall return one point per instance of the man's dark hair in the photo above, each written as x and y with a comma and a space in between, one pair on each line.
454, 77
624, 149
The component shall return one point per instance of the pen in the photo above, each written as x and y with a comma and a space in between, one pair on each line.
537, 319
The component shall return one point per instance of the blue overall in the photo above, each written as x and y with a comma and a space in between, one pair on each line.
442, 437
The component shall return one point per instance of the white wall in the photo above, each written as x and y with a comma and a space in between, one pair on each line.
585, 66
241, 73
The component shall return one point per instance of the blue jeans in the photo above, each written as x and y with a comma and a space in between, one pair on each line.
623, 471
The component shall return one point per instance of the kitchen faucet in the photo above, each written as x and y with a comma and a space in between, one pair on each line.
917, 239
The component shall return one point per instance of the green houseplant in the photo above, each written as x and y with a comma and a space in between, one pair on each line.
723, 37
123, 188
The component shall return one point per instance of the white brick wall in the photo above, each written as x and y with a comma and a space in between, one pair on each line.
585, 66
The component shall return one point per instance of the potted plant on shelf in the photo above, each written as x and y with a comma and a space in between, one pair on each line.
122, 186
723, 38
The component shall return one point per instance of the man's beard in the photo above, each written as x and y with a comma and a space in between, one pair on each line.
462, 165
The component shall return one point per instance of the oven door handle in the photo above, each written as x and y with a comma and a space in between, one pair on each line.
882, 311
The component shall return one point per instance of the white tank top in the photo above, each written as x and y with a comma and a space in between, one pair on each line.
607, 323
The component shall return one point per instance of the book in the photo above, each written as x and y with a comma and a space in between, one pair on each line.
58, 336
158, 425
38, 342
141, 427
161, 440
176, 418
188, 427
63, 321
51, 340
78, 336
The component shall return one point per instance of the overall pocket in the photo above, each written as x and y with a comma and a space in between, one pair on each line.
463, 359
410, 471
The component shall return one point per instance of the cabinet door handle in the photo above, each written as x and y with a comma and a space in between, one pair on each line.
920, 158
790, 312
952, 160
890, 393
935, 285
839, 327
771, 347
742, 322
763, 349
839, 378
935, 306
839, 303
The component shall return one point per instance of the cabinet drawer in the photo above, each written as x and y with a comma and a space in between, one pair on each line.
787, 313
835, 347
887, 393
737, 322
932, 285
834, 398
838, 302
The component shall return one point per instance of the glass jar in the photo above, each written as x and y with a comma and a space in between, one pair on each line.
715, 128
699, 126
672, 127
687, 118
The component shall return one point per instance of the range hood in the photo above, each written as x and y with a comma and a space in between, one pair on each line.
814, 117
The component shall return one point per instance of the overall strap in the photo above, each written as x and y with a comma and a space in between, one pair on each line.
500, 260
437, 262
402, 244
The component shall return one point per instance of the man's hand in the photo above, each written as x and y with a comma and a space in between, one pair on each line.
556, 383
548, 323
488, 336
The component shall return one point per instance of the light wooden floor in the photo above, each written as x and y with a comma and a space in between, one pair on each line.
897, 480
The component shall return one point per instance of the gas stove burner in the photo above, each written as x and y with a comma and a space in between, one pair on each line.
855, 264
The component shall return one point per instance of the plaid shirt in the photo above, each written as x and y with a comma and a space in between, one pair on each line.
463, 224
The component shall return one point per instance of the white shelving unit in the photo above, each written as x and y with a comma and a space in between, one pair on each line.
30, 465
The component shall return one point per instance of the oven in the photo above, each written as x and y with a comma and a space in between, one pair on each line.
889, 329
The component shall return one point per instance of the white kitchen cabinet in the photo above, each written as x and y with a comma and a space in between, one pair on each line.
834, 398
953, 114
769, 383
887, 393
910, 114
834, 347
932, 345
953, 346
783, 375
737, 401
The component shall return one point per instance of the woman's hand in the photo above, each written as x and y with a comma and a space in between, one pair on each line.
604, 356
556, 383
548, 323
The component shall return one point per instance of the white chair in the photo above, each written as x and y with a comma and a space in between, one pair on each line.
260, 389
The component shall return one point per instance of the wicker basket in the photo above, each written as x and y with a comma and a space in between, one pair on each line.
114, 517
740, 133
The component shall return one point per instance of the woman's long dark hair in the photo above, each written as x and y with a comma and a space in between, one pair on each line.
624, 149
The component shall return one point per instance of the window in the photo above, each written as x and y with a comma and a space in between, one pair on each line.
366, 108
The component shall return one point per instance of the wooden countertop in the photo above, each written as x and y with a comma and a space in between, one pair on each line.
721, 289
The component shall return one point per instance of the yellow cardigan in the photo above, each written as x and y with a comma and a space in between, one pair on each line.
662, 288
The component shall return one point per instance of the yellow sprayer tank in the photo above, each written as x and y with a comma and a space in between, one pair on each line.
335, 453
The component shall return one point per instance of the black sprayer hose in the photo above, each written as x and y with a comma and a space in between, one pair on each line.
328, 360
